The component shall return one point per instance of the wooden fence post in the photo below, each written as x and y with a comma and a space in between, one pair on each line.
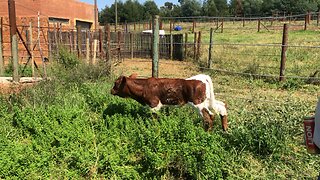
88, 48
150, 24
217, 23
210, 48
194, 46
31, 49
171, 46
318, 17
108, 50
305, 22
283, 52
119, 45
160, 24
60, 33
193, 26
1, 50
185, 45
79, 39
259, 25
155, 47
55, 38
199, 46
70, 41
222, 22
100, 43
131, 45
14, 39
243, 21
49, 42
95, 44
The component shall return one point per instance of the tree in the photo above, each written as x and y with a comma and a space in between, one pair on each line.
222, 7
209, 8
236, 7
252, 7
170, 10
300, 6
190, 8
150, 9
133, 11
107, 15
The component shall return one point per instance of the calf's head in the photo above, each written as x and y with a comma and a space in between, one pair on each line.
119, 87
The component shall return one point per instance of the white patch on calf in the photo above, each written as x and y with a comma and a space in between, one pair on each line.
157, 108
201, 106
220, 107
210, 102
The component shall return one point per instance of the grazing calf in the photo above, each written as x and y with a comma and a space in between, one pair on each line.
156, 92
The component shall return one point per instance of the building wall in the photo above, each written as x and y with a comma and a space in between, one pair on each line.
27, 11
66, 9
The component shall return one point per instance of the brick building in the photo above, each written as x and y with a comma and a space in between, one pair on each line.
68, 12
55, 15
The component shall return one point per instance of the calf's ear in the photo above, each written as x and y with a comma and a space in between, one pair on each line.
133, 75
123, 79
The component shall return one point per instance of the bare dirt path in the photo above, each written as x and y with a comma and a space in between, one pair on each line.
9, 87
167, 68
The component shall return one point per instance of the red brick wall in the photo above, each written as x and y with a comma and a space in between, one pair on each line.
67, 9
23, 25
27, 11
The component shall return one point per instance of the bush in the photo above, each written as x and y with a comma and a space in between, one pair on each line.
67, 59
24, 71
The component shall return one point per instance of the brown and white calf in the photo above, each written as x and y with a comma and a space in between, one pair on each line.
156, 92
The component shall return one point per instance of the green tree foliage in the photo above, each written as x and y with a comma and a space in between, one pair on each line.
222, 7
132, 10
209, 8
150, 9
190, 8
252, 7
107, 15
300, 6
170, 10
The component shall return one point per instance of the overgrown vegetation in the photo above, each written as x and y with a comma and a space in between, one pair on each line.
70, 127
24, 70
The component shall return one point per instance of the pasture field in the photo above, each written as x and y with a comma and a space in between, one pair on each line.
72, 127
244, 50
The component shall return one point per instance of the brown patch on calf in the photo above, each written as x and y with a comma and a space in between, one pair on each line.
224, 119
224, 122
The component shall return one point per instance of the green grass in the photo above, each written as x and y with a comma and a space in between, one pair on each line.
71, 127
240, 49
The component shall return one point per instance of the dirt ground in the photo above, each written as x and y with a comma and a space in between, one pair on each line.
9, 87
167, 68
